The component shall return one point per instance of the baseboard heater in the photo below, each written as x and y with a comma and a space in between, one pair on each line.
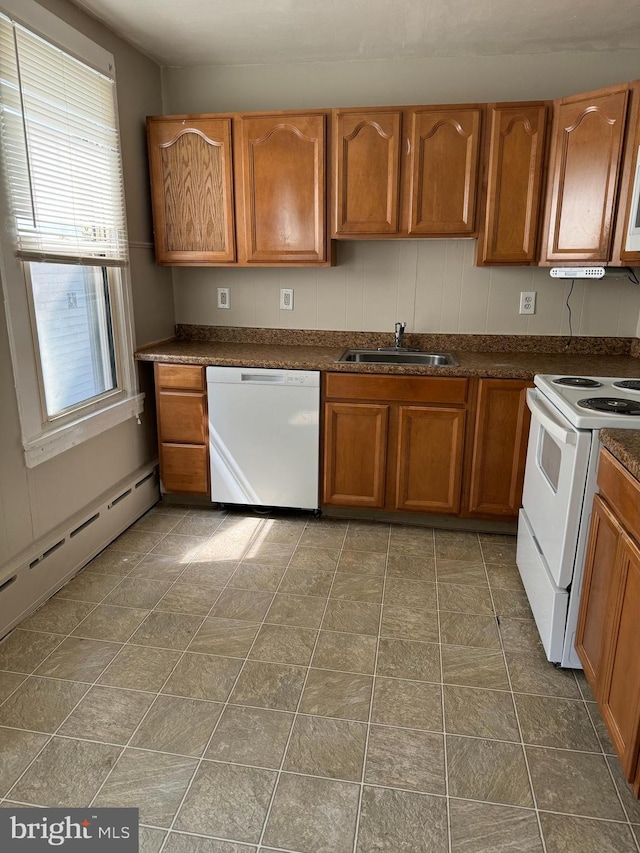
32, 578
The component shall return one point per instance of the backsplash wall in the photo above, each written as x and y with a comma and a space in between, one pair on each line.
432, 284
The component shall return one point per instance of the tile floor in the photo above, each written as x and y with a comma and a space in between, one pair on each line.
307, 685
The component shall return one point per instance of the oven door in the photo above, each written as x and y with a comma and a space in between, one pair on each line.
554, 485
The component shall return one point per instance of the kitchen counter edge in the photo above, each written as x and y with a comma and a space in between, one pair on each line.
624, 444
497, 365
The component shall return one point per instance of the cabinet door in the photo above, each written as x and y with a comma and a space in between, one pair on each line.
184, 468
443, 171
500, 437
355, 454
284, 194
620, 693
366, 177
586, 152
626, 244
182, 416
597, 599
191, 190
429, 462
517, 138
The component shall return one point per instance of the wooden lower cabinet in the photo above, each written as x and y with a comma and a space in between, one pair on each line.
426, 444
394, 443
599, 578
183, 434
608, 640
355, 454
429, 460
620, 697
499, 450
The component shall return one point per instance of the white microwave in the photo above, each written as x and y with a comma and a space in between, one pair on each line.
633, 234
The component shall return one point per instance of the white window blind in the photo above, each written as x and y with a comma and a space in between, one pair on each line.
61, 153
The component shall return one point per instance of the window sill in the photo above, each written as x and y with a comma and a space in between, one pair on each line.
55, 441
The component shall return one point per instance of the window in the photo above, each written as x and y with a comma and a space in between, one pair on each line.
65, 256
71, 308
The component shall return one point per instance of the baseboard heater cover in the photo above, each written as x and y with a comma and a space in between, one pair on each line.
29, 584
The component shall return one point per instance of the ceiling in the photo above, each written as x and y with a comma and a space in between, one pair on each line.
240, 32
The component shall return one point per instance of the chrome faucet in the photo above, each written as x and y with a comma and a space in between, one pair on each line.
399, 334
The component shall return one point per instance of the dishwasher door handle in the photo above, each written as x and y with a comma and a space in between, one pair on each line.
263, 378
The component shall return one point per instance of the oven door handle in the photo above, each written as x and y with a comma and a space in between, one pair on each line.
545, 417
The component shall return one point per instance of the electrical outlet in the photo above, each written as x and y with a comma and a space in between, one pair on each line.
286, 299
528, 302
224, 299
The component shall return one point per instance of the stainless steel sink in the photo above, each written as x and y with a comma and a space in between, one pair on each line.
398, 356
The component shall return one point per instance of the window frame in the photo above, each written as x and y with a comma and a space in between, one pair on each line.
44, 437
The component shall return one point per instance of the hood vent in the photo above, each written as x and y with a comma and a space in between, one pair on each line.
593, 272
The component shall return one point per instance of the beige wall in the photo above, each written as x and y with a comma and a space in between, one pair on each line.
401, 81
431, 284
34, 501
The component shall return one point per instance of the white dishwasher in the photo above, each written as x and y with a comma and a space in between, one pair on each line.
264, 436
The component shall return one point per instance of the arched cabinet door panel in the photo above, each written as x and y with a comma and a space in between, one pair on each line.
516, 142
192, 190
443, 171
586, 150
366, 172
283, 188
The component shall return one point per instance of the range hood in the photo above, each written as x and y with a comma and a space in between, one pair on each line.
593, 272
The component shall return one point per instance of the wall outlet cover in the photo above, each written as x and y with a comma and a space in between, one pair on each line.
286, 299
528, 302
224, 298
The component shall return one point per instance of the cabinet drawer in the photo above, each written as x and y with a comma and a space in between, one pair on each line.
188, 376
621, 490
182, 417
414, 389
185, 468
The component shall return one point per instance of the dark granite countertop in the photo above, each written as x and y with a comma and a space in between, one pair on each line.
624, 444
496, 356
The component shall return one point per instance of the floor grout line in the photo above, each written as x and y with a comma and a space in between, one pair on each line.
371, 701
443, 711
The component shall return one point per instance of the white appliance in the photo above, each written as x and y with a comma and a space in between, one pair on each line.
633, 234
264, 436
567, 414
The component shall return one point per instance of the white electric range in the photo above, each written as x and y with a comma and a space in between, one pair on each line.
567, 414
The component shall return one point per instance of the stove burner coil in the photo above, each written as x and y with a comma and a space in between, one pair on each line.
629, 384
577, 382
611, 405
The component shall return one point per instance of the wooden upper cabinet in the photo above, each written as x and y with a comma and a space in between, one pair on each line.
283, 191
191, 189
586, 150
515, 151
626, 247
443, 170
366, 172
